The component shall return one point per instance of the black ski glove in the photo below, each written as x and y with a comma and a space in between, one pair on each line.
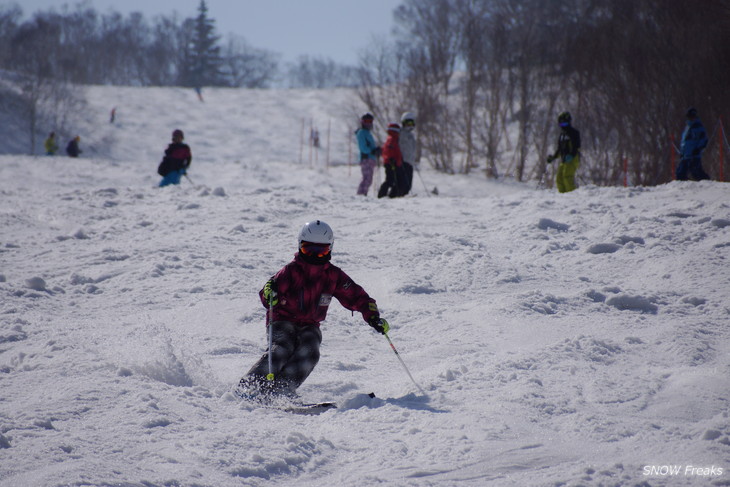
379, 324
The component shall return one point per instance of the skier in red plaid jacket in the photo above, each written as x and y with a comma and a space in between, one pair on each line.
297, 298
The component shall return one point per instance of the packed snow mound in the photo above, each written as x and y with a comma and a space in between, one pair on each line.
574, 339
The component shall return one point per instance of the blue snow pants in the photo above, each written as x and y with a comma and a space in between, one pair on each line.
172, 177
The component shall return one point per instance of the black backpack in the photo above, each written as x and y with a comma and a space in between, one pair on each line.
165, 167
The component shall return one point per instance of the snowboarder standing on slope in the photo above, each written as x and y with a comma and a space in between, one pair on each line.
369, 153
395, 177
694, 141
297, 298
568, 152
176, 161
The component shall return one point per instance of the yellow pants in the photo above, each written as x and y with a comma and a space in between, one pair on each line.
565, 178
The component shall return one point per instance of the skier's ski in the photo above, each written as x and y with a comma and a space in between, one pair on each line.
289, 407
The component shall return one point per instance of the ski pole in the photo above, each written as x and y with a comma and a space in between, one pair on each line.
403, 364
270, 375
422, 181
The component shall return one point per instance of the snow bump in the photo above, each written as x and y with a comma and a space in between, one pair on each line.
548, 224
603, 248
36, 284
625, 302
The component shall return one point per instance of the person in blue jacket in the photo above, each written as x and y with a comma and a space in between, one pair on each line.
72, 149
694, 141
369, 153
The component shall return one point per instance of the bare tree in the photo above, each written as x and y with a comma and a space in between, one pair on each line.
317, 72
634, 88
473, 16
497, 94
381, 75
89, 48
428, 43
44, 98
9, 23
246, 66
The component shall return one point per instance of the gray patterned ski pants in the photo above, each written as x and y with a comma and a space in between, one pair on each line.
295, 353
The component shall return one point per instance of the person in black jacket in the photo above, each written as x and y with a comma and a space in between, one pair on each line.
568, 152
72, 149
176, 161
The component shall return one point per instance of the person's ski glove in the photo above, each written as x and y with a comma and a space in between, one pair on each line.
379, 324
550, 158
270, 293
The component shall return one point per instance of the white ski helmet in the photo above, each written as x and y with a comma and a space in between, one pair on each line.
407, 116
316, 231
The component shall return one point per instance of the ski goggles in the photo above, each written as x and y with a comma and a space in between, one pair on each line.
315, 249
563, 124
409, 123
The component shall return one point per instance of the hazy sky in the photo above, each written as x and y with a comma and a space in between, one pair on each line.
336, 29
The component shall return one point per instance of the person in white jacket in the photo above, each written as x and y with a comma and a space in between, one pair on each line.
408, 148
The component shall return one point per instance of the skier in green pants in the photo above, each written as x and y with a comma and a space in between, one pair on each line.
568, 152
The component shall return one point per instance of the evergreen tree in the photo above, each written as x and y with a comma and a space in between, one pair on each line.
204, 58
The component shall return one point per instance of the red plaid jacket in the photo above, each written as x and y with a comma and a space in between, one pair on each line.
305, 291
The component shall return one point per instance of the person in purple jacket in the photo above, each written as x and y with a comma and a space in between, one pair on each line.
297, 298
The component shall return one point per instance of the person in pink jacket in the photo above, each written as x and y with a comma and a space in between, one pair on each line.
297, 298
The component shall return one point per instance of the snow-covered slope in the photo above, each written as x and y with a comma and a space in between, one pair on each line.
578, 339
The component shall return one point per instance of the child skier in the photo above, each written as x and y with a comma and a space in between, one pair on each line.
176, 161
297, 298
395, 177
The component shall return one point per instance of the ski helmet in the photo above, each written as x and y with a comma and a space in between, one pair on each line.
691, 112
178, 133
408, 121
316, 231
394, 127
565, 118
